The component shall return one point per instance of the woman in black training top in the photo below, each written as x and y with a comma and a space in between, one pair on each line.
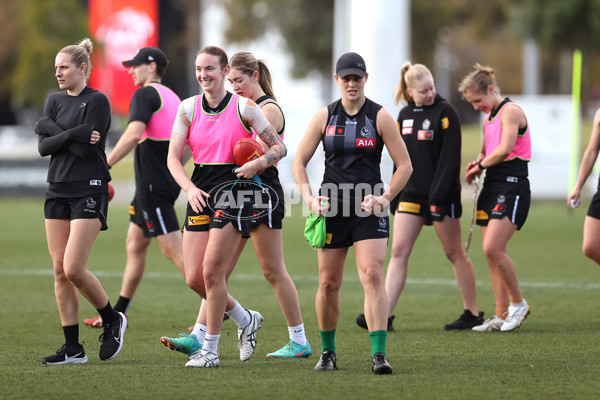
72, 130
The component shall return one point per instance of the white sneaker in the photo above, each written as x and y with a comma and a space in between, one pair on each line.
490, 325
247, 335
516, 315
203, 359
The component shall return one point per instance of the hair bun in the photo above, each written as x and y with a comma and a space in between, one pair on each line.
87, 44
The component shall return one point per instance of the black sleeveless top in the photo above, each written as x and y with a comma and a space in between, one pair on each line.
352, 153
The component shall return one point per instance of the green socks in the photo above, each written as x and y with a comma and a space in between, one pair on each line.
378, 339
328, 340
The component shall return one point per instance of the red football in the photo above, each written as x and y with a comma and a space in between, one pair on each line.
246, 150
111, 192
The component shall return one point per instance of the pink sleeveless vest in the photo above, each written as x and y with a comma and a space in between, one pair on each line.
212, 136
493, 134
161, 124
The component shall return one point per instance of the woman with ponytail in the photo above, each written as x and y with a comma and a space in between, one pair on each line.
505, 198
431, 130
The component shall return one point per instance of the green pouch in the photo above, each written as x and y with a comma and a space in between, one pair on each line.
315, 230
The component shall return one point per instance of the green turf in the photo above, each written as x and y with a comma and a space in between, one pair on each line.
555, 354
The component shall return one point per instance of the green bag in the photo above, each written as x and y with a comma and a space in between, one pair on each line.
314, 230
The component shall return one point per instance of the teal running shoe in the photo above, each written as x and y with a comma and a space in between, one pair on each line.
292, 350
186, 344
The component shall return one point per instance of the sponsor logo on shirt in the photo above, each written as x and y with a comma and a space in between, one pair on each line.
425, 134
131, 210
335, 130
407, 131
369, 143
95, 182
407, 123
198, 220
445, 123
512, 179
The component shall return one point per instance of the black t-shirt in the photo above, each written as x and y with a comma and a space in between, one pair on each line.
432, 135
150, 156
352, 153
76, 167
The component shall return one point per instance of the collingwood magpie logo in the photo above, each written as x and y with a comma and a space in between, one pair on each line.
382, 223
90, 203
364, 131
426, 124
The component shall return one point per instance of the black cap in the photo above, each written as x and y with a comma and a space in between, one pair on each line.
146, 55
350, 64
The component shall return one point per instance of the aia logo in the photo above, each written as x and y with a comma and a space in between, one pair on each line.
368, 143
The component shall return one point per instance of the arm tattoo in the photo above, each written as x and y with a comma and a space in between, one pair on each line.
277, 149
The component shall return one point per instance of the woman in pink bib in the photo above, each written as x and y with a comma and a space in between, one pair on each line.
211, 124
504, 202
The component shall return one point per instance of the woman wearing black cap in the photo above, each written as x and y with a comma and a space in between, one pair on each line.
353, 130
73, 131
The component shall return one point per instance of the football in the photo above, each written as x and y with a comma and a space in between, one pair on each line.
246, 150
111, 192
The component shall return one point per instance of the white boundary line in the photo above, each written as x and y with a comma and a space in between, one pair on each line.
304, 278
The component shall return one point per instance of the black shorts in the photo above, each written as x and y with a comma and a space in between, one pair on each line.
90, 206
154, 212
344, 231
507, 200
271, 208
594, 210
431, 212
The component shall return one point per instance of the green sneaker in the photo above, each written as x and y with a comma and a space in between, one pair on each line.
292, 350
186, 344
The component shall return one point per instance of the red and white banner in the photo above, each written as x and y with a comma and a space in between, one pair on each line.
119, 28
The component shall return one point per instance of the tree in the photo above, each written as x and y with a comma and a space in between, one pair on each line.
306, 26
36, 31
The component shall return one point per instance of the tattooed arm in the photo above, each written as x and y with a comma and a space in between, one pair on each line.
254, 117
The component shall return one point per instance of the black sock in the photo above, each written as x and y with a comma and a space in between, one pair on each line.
122, 304
71, 333
108, 314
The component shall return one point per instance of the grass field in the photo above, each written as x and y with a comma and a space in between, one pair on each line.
556, 354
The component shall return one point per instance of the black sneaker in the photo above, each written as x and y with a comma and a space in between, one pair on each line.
69, 353
381, 364
327, 362
466, 321
362, 322
112, 337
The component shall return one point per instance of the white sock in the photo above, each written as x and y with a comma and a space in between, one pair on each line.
240, 315
297, 334
200, 332
211, 343
521, 304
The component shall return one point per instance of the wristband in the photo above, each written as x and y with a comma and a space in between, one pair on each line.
481, 167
